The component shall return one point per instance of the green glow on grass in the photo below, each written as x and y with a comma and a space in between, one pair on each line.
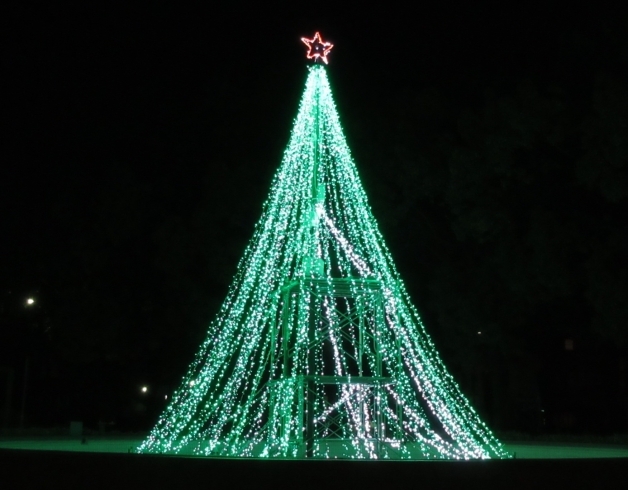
317, 350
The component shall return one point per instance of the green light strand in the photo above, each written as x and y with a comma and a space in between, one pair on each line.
317, 350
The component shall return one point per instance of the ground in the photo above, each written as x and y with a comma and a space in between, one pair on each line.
127, 445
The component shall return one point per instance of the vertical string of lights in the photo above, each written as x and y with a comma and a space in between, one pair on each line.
317, 350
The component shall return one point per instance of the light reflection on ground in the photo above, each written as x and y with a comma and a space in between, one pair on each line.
126, 445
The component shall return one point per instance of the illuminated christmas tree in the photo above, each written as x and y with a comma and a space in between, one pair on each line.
317, 351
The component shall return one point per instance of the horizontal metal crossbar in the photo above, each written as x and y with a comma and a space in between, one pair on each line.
336, 288
334, 380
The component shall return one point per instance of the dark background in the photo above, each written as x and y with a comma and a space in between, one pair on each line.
138, 145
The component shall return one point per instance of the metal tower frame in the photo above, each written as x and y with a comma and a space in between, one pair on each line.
345, 402
346, 322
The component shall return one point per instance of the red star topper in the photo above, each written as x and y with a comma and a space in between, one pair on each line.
317, 49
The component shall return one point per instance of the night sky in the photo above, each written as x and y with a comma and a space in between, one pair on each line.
138, 146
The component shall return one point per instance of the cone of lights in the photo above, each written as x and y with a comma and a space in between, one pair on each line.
317, 350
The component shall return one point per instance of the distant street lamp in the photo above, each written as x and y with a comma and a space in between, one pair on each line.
29, 302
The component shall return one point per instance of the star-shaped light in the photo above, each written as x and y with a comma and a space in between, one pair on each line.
317, 49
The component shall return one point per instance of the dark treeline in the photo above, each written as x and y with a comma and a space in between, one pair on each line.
136, 175
508, 219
